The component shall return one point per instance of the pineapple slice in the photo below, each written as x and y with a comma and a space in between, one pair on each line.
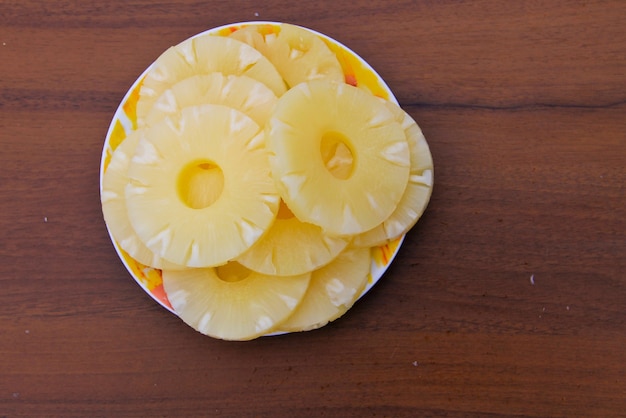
312, 124
298, 54
418, 190
114, 206
201, 190
205, 54
243, 93
292, 247
232, 302
333, 290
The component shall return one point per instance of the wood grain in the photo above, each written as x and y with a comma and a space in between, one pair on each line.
524, 108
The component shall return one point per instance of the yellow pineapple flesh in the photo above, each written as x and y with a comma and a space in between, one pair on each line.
243, 93
319, 115
205, 54
200, 190
291, 247
114, 208
417, 193
232, 302
333, 290
298, 54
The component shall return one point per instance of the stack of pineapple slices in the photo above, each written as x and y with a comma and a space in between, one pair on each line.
258, 181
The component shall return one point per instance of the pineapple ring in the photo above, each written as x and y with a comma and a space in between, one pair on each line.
114, 207
243, 93
333, 290
298, 54
205, 54
304, 119
219, 226
418, 190
292, 247
233, 303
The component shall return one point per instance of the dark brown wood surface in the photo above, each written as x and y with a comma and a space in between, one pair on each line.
524, 107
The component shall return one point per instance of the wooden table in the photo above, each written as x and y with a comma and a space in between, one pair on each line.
507, 299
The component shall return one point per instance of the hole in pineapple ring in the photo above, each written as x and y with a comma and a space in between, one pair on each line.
232, 272
200, 184
337, 155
